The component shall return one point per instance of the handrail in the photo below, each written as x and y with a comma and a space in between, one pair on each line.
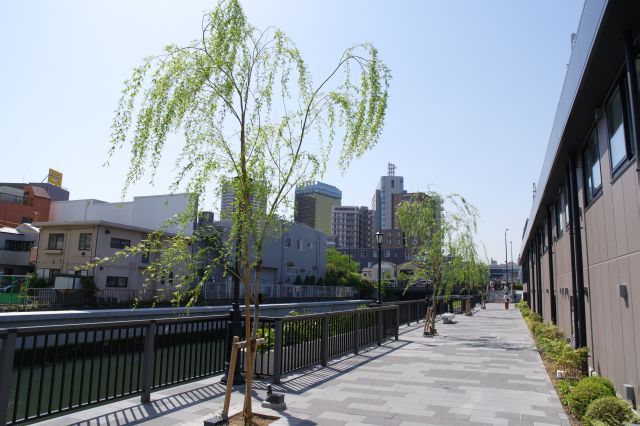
27, 331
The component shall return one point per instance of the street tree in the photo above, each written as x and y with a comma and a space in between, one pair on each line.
435, 227
252, 121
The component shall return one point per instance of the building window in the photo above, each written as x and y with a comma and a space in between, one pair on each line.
591, 165
85, 241
299, 244
387, 253
363, 254
287, 242
619, 147
56, 242
15, 245
117, 281
559, 219
26, 219
120, 243
544, 236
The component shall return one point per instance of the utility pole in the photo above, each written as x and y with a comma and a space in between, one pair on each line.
506, 265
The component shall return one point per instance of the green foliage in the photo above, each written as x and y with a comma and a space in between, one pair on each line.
34, 281
564, 387
298, 280
587, 391
320, 281
610, 411
245, 103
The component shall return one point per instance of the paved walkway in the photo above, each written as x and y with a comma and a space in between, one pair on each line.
482, 370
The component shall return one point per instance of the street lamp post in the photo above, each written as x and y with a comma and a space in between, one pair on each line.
379, 239
506, 260
512, 282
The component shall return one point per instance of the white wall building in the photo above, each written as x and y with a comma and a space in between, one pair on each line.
149, 212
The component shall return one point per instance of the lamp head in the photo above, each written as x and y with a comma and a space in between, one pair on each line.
379, 237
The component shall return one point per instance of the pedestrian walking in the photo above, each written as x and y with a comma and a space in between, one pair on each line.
505, 299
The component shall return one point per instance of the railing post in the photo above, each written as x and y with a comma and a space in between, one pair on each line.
277, 352
324, 341
397, 324
148, 360
379, 312
356, 334
6, 369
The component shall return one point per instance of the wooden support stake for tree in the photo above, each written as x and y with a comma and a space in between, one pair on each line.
230, 374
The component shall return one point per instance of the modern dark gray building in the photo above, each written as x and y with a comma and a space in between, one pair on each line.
581, 245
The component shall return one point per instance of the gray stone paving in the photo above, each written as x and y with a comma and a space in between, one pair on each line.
481, 370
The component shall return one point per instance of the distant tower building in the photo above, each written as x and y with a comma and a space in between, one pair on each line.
314, 203
228, 201
382, 201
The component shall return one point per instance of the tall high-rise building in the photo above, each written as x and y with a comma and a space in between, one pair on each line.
352, 227
314, 203
382, 201
228, 201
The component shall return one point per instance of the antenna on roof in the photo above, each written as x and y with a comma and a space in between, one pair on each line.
391, 169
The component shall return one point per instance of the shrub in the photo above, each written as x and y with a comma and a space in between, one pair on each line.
533, 318
609, 410
564, 387
587, 391
572, 361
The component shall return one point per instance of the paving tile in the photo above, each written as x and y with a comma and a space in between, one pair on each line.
481, 370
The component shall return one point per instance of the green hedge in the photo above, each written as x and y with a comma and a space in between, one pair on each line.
588, 390
609, 410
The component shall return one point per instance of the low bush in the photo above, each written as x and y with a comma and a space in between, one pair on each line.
586, 391
609, 410
564, 387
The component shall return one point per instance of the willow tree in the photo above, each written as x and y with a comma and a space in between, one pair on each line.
253, 121
434, 227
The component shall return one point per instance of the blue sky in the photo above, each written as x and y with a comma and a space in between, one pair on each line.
472, 101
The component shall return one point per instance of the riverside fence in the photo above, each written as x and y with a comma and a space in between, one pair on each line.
52, 297
48, 370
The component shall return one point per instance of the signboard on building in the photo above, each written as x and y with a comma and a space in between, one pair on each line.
55, 177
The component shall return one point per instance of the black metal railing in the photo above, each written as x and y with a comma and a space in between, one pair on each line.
47, 370
53, 369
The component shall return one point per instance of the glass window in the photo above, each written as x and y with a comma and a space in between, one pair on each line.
85, 241
565, 203
559, 219
120, 243
544, 235
117, 281
615, 123
591, 165
56, 242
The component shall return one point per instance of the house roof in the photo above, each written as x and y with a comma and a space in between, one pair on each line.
95, 223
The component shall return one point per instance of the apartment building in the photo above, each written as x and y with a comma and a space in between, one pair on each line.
580, 252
